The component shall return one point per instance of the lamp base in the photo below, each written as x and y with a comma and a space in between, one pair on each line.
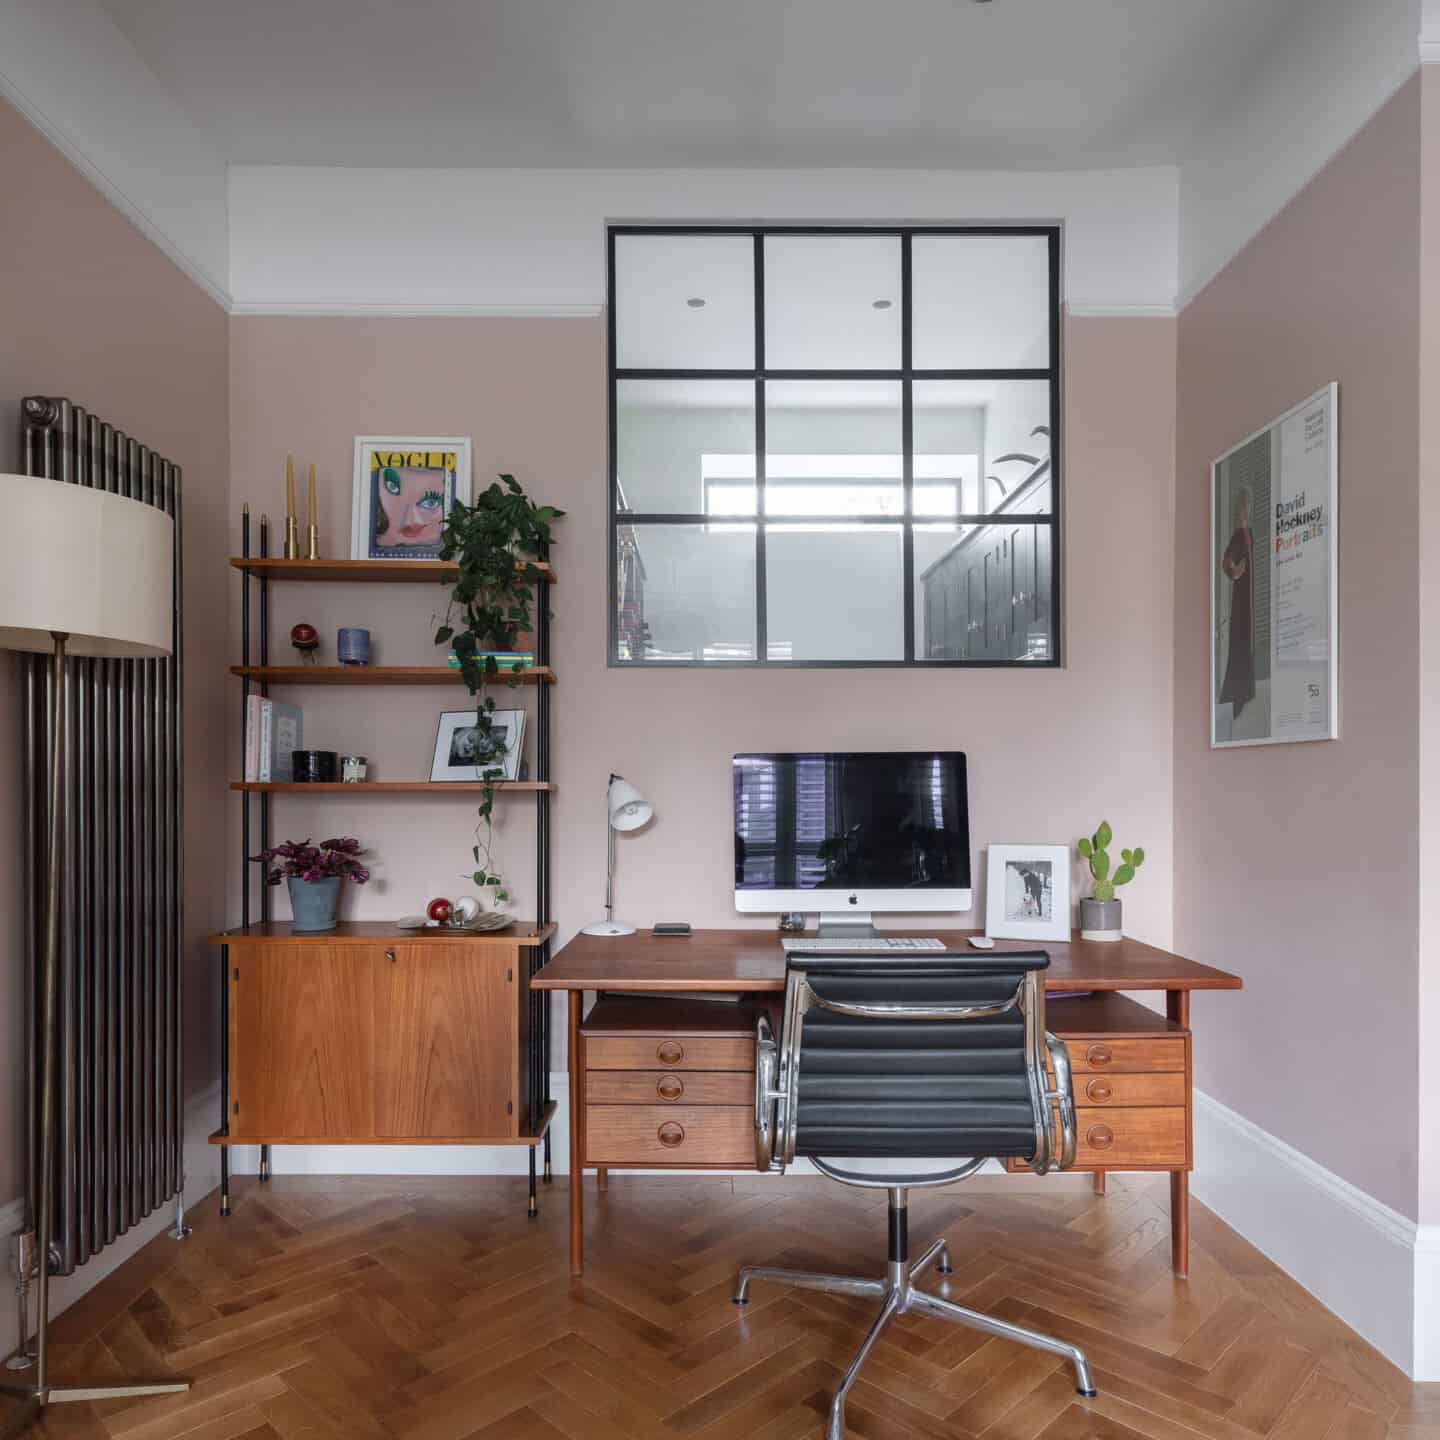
608, 927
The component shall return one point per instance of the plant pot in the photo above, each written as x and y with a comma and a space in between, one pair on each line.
1100, 920
313, 903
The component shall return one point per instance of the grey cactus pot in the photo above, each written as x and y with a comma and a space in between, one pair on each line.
1100, 920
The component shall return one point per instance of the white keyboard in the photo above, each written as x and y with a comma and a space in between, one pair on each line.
885, 943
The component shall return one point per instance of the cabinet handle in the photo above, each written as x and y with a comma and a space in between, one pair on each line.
670, 1052
1099, 1055
1099, 1091
669, 1087
1099, 1137
671, 1135
390, 956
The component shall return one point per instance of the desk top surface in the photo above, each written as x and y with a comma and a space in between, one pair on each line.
735, 960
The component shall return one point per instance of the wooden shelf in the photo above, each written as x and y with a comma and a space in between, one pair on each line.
391, 787
406, 572
525, 933
219, 1137
380, 674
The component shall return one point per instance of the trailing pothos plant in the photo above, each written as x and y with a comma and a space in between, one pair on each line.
496, 543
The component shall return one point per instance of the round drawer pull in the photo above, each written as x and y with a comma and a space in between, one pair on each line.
1099, 1091
1099, 1137
1099, 1055
670, 1052
671, 1135
669, 1087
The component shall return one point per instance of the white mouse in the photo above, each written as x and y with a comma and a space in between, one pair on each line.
982, 942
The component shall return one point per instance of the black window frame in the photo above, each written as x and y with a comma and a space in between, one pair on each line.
907, 374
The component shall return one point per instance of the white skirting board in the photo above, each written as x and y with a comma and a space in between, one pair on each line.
202, 1175
1376, 1269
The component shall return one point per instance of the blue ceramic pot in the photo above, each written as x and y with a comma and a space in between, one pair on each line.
353, 647
313, 903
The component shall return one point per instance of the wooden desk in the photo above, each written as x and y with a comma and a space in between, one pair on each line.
1128, 1061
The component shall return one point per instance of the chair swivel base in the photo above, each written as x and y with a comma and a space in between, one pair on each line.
898, 1296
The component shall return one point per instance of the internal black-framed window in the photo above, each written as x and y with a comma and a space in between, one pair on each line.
834, 445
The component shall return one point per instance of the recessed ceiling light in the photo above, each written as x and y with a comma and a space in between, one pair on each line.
881, 304
695, 302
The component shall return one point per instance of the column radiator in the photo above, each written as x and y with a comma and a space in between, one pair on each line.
119, 1111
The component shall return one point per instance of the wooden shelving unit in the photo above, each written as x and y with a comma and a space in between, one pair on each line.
531, 1126
390, 787
379, 674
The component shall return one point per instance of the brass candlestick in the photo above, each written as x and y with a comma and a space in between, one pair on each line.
292, 526
312, 534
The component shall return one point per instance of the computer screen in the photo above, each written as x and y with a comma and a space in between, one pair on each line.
891, 828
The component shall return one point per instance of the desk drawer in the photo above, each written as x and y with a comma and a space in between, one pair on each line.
679, 1052
1112, 1139
670, 1135
670, 1087
1139, 1055
1122, 1091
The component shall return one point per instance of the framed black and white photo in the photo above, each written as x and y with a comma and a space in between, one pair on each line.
462, 754
1027, 894
1274, 552
404, 487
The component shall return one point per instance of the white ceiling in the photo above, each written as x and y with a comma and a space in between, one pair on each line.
1013, 84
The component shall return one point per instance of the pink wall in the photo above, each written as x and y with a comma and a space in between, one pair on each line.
1296, 865
1050, 752
92, 310
1428, 532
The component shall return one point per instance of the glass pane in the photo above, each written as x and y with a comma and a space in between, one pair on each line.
685, 592
832, 447
980, 302
834, 592
982, 592
685, 302
981, 446
685, 447
832, 302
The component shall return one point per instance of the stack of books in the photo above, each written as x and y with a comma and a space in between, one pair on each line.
273, 733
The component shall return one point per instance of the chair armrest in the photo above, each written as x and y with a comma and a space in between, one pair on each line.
767, 1095
1063, 1097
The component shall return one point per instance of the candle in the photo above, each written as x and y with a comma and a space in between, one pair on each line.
312, 492
290, 486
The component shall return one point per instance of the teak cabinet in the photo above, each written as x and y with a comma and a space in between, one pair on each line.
374, 1039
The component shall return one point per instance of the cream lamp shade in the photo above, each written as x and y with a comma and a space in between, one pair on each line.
629, 809
95, 567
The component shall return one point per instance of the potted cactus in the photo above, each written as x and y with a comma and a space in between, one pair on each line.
1100, 917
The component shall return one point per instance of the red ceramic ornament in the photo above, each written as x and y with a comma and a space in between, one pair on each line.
438, 910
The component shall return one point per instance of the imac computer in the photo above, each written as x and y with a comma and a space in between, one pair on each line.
848, 835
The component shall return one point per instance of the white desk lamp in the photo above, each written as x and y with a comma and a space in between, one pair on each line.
625, 809
90, 573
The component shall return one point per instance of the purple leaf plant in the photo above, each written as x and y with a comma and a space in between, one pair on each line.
300, 860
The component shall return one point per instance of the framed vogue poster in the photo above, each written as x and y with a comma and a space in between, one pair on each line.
404, 488
1274, 639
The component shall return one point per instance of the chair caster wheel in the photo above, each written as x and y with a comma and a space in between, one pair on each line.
736, 1300
1088, 1394
944, 1269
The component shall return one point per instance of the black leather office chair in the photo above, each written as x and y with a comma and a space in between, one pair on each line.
909, 1058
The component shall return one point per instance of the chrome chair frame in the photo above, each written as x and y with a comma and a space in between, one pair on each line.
777, 1091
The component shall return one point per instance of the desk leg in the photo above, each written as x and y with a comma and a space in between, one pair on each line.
1177, 1008
576, 1000
1099, 1179
602, 1179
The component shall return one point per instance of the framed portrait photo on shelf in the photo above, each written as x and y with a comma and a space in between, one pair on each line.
461, 753
404, 487
1027, 892
1274, 626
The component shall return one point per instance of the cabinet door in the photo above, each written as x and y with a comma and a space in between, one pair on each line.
301, 1042
446, 1047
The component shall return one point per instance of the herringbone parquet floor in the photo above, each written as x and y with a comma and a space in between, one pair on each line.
432, 1310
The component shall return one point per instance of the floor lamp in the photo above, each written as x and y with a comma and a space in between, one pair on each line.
83, 572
